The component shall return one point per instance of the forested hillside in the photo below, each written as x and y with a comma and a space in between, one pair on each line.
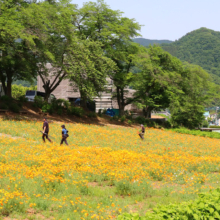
201, 47
147, 42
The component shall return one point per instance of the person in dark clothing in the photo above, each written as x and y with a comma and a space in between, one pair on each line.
45, 130
64, 135
141, 134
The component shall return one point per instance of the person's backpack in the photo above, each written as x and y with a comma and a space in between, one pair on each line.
67, 133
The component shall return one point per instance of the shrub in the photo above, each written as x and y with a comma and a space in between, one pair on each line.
76, 111
92, 115
104, 111
47, 108
140, 120
129, 122
14, 107
3, 106
22, 99
205, 124
6, 98
60, 111
123, 118
38, 101
214, 126
115, 117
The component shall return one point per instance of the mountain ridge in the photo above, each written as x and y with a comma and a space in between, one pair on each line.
200, 47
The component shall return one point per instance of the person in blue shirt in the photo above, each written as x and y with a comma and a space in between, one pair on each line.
64, 135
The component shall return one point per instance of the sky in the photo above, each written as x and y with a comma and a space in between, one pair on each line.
168, 19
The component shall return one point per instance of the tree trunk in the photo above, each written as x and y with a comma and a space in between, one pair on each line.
3, 79
83, 101
9, 82
120, 100
47, 90
147, 112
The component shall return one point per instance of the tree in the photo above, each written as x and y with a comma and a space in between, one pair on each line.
97, 22
124, 56
16, 60
87, 67
198, 93
157, 82
55, 34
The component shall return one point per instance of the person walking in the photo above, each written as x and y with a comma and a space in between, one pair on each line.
45, 130
141, 134
64, 135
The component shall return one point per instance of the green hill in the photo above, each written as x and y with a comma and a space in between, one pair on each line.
147, 42
201, 47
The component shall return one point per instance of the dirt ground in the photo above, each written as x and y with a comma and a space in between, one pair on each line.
28, 112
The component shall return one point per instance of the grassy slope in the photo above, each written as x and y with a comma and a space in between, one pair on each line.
104, 171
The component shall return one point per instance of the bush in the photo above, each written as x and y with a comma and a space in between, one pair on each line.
38, 101
60, 111
14, 107
19, 90
129, 122
214, 126
23, 99
77, 111
205, 124
92, 115
123, 118
3, 106
6, 98
47, 108
140, 120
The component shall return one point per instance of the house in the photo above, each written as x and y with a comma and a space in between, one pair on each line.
66, 90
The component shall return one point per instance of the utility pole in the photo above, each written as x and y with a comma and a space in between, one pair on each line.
216, 115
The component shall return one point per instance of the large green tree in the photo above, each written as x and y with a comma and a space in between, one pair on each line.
157, 82
97, 22
16, 59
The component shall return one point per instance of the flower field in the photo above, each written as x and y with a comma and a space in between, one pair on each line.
103, 172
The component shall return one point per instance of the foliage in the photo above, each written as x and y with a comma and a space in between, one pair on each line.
6, 99
38, 101
17, 61
205, 207
214, 126
197, 132
130, 122
19, 90
22, 99
123, 118
77, 111
114, 32
205, 124
200, 47
47, 108
92, 115
14, 107
3, 106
